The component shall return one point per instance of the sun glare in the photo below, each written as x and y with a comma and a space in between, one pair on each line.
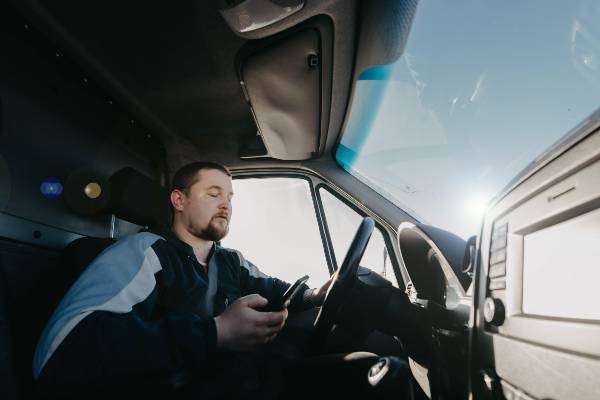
476, 206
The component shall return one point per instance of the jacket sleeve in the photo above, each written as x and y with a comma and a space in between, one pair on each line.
254, 281
110, 349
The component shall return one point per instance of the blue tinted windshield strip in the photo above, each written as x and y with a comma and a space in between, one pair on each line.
364, 111
345, 157
377, 73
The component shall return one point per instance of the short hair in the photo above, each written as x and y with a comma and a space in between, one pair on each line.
187, 176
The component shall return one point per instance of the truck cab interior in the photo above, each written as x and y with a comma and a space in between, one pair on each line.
466, 133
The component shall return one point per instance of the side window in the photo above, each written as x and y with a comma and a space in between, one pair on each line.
342, 222
274, 225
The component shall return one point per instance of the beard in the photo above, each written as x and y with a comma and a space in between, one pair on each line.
214, 232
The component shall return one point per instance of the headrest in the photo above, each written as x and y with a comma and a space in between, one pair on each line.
128, 194
139, 199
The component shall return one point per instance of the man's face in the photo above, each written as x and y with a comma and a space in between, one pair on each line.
206, 209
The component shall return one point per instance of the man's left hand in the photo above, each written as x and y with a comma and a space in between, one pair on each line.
318, 295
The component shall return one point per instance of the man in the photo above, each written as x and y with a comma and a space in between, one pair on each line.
158, 303
201, 200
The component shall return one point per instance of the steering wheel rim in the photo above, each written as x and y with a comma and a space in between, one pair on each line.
341, 286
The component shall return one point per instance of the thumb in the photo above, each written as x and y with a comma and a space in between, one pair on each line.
254, 301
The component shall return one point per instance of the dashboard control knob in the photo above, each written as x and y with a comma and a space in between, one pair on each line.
493, 311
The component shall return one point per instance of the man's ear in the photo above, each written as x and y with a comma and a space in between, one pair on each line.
177, 199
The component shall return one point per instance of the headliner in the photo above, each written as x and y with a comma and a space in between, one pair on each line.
173, 67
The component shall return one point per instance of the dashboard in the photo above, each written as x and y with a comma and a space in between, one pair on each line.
537, 322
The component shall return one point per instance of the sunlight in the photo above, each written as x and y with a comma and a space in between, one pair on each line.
476, 205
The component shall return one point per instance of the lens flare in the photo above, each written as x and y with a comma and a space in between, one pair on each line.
476, 206
51, 188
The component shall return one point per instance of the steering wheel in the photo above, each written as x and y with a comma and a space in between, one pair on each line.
341, 286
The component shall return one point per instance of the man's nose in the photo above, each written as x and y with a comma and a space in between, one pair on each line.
225, 205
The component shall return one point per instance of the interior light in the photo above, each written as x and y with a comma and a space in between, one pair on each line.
92, 190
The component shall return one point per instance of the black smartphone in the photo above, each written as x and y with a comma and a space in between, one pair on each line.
289, 295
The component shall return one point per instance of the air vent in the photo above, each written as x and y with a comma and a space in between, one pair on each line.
497, 269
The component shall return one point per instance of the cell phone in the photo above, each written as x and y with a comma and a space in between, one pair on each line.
289, 295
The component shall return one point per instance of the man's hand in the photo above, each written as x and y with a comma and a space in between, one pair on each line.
241, 327
318, 295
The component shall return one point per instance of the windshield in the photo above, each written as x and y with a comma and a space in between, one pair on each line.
482, 89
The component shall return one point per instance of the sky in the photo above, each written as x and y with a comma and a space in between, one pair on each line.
482, 89
275, 227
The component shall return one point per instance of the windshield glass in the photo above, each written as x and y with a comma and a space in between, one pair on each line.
482, 89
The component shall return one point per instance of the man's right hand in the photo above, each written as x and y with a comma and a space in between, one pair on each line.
241, 327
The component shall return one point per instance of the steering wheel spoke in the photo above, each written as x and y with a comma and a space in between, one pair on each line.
341, 287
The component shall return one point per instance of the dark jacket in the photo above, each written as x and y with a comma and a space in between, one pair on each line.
145, 307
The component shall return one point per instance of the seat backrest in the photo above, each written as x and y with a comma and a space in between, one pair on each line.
8, 381
27, 274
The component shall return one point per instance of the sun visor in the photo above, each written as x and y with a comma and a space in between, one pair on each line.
283, 86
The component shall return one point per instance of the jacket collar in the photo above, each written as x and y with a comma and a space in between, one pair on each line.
182, 246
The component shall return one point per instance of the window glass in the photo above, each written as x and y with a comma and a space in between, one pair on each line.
481, 90
342, 222
275, 227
